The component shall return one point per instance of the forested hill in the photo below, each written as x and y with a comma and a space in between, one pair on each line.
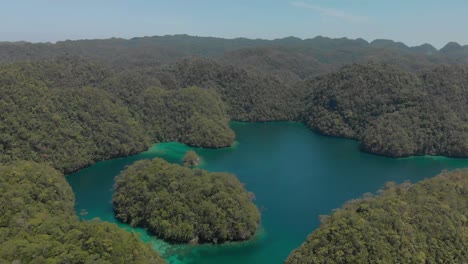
184, 205
291, 56
251, 95
421, 223
71, 112
391, 111
38, 223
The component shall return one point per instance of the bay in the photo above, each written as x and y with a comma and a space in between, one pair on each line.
296, 176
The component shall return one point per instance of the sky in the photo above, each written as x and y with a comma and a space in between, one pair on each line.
412, 22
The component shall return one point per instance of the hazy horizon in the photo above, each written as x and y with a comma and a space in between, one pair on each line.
412, 23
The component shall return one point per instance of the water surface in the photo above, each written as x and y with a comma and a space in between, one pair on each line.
296, 176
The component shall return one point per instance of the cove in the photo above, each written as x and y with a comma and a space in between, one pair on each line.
296, 176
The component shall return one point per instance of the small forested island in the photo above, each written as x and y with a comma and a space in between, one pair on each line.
38, 223
424, 222
183, 205
191, 158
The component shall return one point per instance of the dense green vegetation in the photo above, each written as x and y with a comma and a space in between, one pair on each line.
65, 113
193, 116
183, 205
409, 106
421, 223
289, 57
393, 112
73, 103
191, 158
68, 128
38, 223
251, 95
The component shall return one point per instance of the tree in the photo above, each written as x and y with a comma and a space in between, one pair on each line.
191, 158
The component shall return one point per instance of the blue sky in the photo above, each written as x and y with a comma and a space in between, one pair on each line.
411, 21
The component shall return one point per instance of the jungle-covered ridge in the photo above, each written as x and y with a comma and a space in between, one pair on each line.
408, 223
301, 57
70, 113
76, 102
38, 223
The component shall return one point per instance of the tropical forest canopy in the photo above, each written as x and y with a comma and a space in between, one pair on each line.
38, 223
76, 102
408, 223
71, 113
66, 105
180, 204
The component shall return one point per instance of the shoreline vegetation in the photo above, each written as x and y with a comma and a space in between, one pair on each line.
191, 159
406, 223
184, 205
71, 104
83, 112
39, 224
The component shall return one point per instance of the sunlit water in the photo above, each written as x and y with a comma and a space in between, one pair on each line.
295, 174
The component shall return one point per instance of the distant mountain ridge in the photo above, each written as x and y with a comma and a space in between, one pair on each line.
159, 50
291, 40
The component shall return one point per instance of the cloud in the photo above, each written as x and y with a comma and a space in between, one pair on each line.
330, 12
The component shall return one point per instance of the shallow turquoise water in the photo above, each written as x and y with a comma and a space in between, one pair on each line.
295, 174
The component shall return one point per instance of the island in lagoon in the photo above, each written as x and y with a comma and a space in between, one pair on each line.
191, 158
184, 205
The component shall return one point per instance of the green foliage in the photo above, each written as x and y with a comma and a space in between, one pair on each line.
191, 158
250, 94
68, 128
193, 116
60, 113
181, 205
391, 111
421, 223
38, 223
290, 58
